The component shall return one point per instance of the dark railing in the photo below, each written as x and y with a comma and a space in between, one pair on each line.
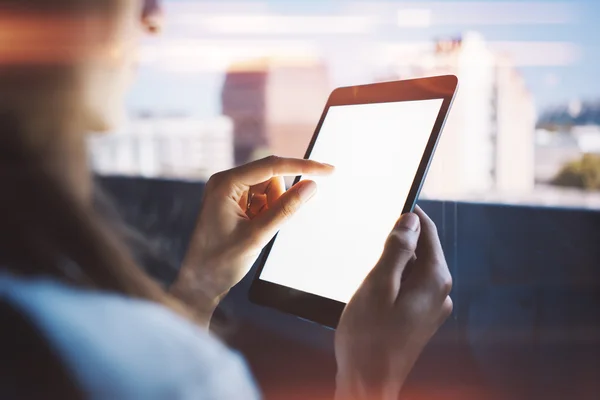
526, 323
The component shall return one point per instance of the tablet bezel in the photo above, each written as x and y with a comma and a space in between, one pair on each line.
319, 309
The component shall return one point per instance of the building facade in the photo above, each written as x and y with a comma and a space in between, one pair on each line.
488, 143
275, 105
165, 146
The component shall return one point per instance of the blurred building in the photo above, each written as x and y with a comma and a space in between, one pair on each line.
553, 150
588, 138
488, 142
165, 146
275, 105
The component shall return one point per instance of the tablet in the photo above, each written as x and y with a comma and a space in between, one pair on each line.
381, 139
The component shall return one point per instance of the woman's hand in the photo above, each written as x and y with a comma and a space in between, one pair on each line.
243, 208
392, 316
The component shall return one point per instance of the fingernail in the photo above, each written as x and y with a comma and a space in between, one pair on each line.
409, 221
307, 190
328, 165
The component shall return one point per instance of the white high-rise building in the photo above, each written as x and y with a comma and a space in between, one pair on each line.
165, 146
488, 141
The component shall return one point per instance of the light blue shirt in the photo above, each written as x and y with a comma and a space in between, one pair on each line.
120, 348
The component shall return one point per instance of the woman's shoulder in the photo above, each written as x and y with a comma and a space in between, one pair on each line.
116, 347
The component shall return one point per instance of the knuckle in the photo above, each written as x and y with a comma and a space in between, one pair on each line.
444, 283
273, 162
447, 307
400, 240
215, 180
427, 222
430, 224
272, 159
424, 217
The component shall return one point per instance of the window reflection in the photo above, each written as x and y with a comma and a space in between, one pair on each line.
524, 129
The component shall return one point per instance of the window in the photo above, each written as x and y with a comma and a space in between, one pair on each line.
527, 113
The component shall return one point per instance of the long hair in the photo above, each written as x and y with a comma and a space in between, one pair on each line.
46, 230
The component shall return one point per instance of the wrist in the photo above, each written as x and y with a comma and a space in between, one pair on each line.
373, 380
355, 387
191, 289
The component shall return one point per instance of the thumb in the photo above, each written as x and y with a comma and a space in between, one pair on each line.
268, 223
401, 244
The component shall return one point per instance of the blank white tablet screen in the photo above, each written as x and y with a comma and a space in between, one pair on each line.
332, 243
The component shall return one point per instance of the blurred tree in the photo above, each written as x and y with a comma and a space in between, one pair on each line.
565, 117
583, 173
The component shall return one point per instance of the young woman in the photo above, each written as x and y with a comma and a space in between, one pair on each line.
79, 318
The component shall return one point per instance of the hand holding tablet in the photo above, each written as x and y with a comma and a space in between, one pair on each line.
396, 310
381, 139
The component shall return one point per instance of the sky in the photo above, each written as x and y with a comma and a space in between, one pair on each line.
555, 44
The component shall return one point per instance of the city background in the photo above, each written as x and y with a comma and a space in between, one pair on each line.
229, 82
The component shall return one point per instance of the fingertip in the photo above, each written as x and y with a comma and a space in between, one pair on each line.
324, 168
306, 189
409, 221
426, 220
319, 164
422, 215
